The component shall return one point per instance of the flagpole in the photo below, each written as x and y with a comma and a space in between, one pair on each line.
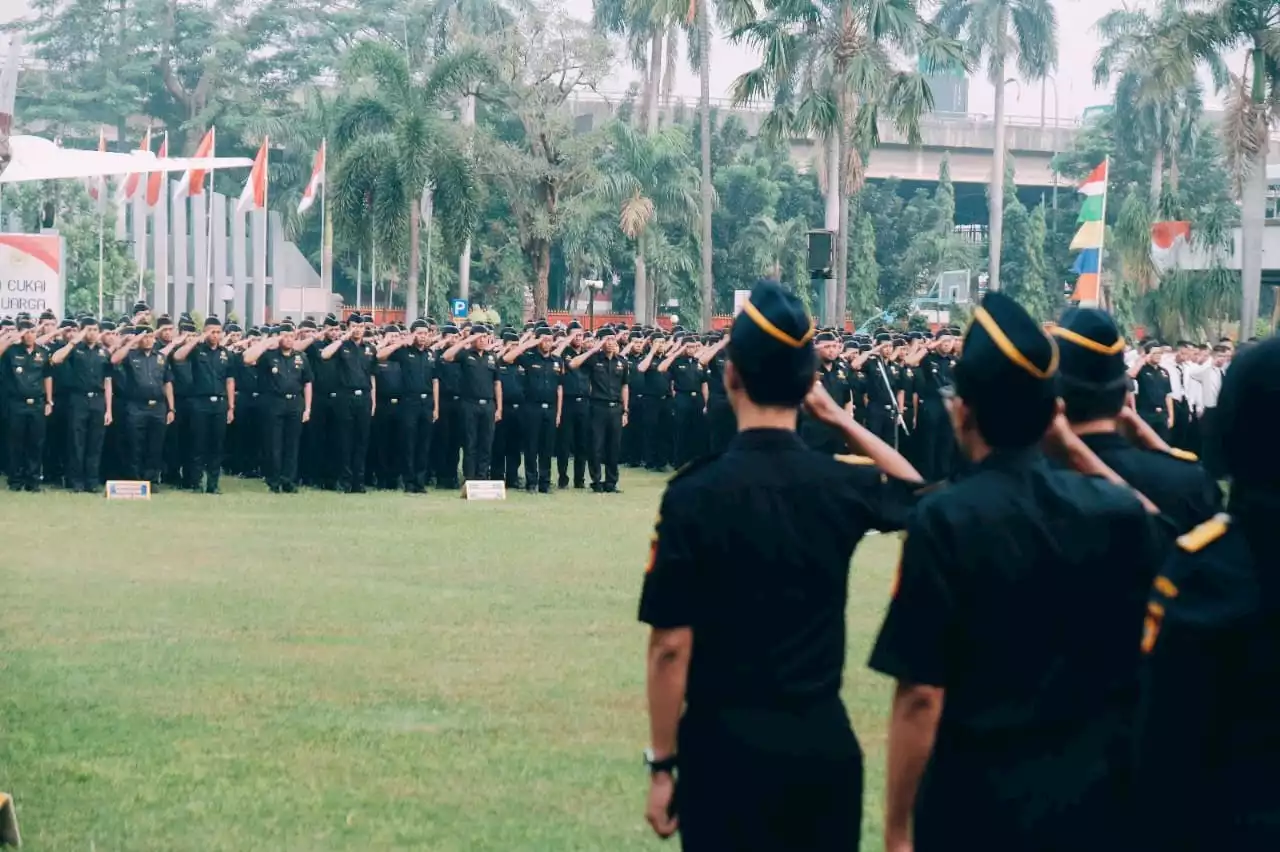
324, 214
359, 278
101, 257
208, 228
373, 272
1102, 237
266, 210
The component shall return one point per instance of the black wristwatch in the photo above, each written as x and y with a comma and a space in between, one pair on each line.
667, 764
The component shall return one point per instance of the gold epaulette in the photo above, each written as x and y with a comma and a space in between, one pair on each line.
1185, 455
855, 459
1205, 534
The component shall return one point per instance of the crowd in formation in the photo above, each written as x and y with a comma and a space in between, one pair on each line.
350, 405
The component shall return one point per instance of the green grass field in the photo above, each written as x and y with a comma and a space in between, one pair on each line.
344, 673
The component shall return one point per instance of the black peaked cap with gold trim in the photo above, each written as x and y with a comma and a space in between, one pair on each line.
773, 329
1007, 355
1091, 349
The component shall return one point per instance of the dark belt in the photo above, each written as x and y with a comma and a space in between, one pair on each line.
606, 402
544, 404
577, 399
286, 396
513, 404
31, 401
691, 393
217, 398
480, 401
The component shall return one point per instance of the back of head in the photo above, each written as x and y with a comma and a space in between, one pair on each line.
1248, 409
771, 347
1007, 374
1093, 380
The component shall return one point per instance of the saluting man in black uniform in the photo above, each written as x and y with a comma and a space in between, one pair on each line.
87, 375
28, 375
320, 466
1155, 395
420, 402
720, 423
657, 413
543, 398
1095, 389
833, 373
607, 371
1013, 628
285, 380
508, 435
211, 407
354, 404
148, 392
480, 406
1210, 745
689, 386
574, 437
747, 608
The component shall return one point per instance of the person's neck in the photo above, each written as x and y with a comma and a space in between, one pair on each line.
1103, 426
751, 416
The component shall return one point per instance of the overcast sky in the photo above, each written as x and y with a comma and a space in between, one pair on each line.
1077, 46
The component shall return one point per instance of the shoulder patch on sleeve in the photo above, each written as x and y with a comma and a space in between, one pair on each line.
855, 459
1183, 454
690, 467
1205, 534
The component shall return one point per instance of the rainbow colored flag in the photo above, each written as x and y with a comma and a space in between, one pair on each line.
1089, 238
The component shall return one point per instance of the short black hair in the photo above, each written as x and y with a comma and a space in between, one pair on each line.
1091, 403
766, 384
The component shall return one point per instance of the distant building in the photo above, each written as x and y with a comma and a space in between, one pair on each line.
950, 90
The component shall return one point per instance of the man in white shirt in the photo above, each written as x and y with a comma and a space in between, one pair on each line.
1176, 364
1208, 376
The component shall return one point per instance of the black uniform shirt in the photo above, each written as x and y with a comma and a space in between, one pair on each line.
933, 374
390, 379
687, 375
543, 374
576, 382
282, 373
835, 378
450, 376
146, 374
1210, 744
1020, 592
477, 373
25, 371
246, 377
210, 369
417, 368
1153, 387
1186, 494
355, 366
715, 377
181, 375
751, 551
607, 376
633, 368
655, 382
878, 373
86, 369
511, 376
324, 372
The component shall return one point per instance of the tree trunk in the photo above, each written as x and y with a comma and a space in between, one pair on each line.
1252, 215
541, 285
1157, 179
831, 219
708, 286
655, 82
1175, 173
842, 265
641, 296
995, 203
464, 262
669, 70
415, 260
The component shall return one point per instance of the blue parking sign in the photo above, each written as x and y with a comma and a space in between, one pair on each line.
458, 307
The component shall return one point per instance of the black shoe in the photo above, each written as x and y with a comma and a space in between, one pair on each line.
289, 488
359, 489
212, 489
15, 488
612, 489
597, 487
562, 482
544, 489
580, 485
89, 489
531, 489
32, 488
275, 489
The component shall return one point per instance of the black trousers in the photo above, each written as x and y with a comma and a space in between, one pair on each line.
281, 421
633, 432
244, 436
352, 413
659, 417
146, 427
1157, 420
26, 427
882, 422
206, 431
115, 444
1179, 435
934, 439
689, 426
574, 439
86, 414
508, 443
416, 426
447, 441
477, 437
539, 443
177, 440
55, 440
606, 442
320, 442
722, 424
1211, 443
384, 443
745, 801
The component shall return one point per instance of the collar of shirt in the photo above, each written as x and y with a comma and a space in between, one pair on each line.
767, 440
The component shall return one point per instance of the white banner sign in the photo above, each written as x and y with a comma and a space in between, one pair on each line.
739, 299
31, 274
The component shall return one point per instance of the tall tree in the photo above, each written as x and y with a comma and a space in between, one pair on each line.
1006, 35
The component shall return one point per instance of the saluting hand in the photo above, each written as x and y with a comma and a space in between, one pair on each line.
657, 811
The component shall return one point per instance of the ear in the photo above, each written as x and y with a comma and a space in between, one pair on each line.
732, 380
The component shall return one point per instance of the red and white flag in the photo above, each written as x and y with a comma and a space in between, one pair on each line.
98, 186
192, 182
155, 180
317, 180
129, 187
254, 196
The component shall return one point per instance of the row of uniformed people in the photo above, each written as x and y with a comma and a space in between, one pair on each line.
1031, 608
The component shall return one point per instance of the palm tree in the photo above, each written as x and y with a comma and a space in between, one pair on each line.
827, 67
392, 142
773, 243
1005, 34
650, 178
1252, 107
